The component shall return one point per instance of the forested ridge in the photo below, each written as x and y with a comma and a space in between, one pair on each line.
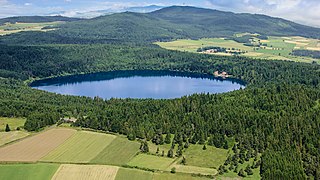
177, 22
277, 114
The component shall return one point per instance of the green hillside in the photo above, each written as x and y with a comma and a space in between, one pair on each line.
218, 23
36, 19
166, 24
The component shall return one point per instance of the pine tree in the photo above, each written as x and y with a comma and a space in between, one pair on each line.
204, 147
170, 153
173, 170
7, 128
241, 173
249, 170
184, 161
161, 139
144, 147
186, 145
226, 146
167, 139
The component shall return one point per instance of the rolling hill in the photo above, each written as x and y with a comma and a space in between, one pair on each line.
163, 25
214, 22
36, 19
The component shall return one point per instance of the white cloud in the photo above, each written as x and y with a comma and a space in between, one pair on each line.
27, 4
301, 11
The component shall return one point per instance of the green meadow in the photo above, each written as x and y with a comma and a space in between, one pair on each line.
41, 171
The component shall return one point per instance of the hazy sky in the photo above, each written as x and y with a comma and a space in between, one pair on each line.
302, 11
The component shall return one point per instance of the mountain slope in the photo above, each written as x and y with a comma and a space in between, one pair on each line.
219, 22
36, 19
163, 25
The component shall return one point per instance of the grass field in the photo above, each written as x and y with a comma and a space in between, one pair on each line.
6, 137
194, 169
168, 176
27, 171
133, 174
118, 152
211, 157
151, 162
278, 48
12, 122
78, 172
80, 148
18, 27
35, 147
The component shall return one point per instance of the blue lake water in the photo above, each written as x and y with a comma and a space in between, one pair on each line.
137, 84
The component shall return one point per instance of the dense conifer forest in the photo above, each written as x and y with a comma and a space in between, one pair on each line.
277, 114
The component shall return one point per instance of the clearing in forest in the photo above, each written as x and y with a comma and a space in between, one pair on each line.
34, 148
85, 172
193, 169
12, 122
212, 157
9, 28
6, 137
118, 152
80, 148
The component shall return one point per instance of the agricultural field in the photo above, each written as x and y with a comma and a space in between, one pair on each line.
119, 152
177, 176
9, 28
133, 174
277, 48
7, 137
151, 162
210, 158
80, 148
40, 171
35, 147
76, 172
12, 122
96, 152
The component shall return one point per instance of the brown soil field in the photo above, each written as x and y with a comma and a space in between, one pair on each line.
85, 172
33, 148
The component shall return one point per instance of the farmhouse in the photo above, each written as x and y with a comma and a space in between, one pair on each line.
69, 120
222, 74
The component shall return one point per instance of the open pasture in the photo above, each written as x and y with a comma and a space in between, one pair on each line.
12, 122
118, 152
278, 48
151, 162
194, 169
6, 137
177, 176
211, 157
80, 148
39, 171
34, 148
133, 174
9, 28
85, 172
